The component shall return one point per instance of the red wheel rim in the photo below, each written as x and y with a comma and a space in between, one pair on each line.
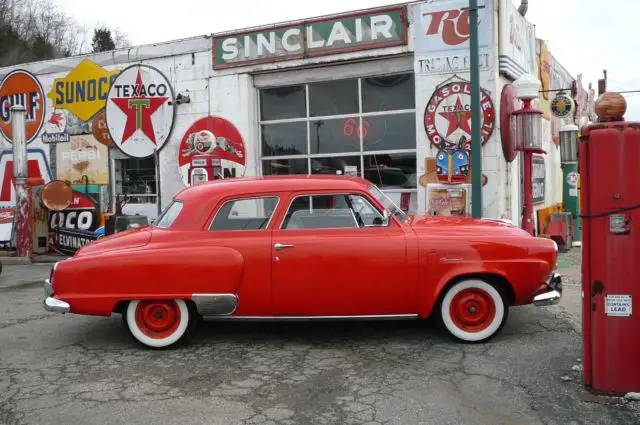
472, 310
157, 319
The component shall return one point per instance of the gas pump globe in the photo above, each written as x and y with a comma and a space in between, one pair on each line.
569, 143
526, 131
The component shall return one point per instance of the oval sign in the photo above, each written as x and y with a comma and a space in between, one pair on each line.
212, 139
20, 87
507, 106
140, 111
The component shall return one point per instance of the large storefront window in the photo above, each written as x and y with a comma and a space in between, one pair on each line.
361, 126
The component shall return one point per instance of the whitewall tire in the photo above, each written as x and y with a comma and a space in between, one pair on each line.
159, 323
472, 311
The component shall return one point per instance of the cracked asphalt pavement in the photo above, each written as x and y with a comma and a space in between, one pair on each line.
69, 369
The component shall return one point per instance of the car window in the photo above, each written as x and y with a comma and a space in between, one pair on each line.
366, 213
320, 212
245, 214
169, 215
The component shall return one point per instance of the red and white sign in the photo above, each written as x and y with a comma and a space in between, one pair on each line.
447, 116
37, 167
213, 138
140, 111
21, 88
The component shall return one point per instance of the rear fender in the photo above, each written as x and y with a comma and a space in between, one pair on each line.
95, 284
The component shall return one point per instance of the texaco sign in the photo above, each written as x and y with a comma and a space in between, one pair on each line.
448, 115
140, 111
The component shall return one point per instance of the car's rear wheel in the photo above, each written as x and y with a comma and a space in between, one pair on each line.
473, 311
159, 323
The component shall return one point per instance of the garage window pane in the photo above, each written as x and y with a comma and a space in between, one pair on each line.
245, 214
396, 170
335, 136
345, 165
284, 139
285, 166
283, 103
333, 98
388, 93
389, 132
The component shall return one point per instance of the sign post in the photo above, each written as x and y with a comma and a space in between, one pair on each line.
476, 141
24, 243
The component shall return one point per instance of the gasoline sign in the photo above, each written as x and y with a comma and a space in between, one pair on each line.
140, 111
21, 88
84, 90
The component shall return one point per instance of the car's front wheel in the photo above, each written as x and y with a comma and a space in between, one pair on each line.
473, 310
159, 323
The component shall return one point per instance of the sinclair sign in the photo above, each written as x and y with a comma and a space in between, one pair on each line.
377, 28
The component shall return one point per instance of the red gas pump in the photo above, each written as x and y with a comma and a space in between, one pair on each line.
204, 168
610, 204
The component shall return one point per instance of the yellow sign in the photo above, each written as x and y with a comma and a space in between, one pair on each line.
84, 90
544, 66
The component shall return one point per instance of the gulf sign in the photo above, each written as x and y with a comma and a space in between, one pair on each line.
84, 90
20, 87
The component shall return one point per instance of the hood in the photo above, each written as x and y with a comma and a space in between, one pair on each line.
128, 239
471, 226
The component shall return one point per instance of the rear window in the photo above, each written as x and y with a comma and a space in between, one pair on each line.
169, 215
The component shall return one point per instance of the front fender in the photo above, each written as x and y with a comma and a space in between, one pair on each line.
95, 284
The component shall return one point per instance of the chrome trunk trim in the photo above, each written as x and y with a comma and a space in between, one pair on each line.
215, 304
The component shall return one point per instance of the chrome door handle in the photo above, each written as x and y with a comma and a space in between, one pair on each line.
280, 247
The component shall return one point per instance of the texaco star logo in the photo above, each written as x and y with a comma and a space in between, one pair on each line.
140, 110
447, 117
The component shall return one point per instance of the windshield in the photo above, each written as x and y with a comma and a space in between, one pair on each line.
169, 215
387, 202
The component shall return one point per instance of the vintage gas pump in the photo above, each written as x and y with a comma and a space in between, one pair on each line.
204, 168
609, 154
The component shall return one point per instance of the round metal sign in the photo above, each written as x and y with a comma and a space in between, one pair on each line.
140, 110
447, 117
57, 195
562, 105
20, 87
99, 129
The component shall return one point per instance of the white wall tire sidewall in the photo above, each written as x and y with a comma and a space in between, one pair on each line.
472, 336
154, 342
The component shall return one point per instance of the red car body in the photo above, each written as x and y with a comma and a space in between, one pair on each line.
401, 267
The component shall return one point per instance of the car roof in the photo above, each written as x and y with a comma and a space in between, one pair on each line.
281, 183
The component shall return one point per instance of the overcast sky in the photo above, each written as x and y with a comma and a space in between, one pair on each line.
583, 35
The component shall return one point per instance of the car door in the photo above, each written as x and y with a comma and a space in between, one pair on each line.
243, 223
332, 256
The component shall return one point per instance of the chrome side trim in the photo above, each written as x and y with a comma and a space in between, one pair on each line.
215, 304
311, 318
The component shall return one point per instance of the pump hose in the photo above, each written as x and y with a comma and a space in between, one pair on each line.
606, 213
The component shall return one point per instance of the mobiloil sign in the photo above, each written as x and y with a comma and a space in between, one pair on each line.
337, 34
84, 90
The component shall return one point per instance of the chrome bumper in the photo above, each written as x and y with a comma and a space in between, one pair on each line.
52, 304
552, 294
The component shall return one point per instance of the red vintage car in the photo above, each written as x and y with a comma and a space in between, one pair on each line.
301, 248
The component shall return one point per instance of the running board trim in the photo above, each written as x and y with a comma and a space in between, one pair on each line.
310, 318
